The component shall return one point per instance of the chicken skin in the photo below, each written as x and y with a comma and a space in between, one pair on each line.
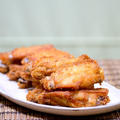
51, 52
16, 55
31, 63
79, 98
15, 71
55, 77
64, 73
5, 60
20, 53
45, 66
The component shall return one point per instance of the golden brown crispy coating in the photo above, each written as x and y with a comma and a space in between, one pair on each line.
81, 74
15, 71
47, 65
42, 56
26, 74
3, 68
20, 53
15, 56
24, 84
44, 66
33, 94
5, 60
28, 84
45, 53
80, 98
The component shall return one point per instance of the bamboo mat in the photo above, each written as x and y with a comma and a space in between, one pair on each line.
11, 111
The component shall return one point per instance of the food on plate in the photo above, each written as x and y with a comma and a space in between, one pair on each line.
67, 73
23, 71
45, 57
15, 71
20, 53
16, 55
5, 60
24, 83
45, 66
56, 77
81, 75
79, 98
45, 53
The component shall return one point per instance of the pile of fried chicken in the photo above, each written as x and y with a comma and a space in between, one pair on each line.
56, 77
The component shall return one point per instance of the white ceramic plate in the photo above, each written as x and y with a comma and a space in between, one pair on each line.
10, 90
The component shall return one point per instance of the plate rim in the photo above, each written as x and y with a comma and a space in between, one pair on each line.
81, 111
61, 107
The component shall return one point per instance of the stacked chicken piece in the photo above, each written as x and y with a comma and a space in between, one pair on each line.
57, 77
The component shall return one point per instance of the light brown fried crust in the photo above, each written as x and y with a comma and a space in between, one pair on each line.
51, 52
80, 98
20, 53
30, 62
26, 74
3, 68
78, 75
29, 84
15, 71
33, 95
47, 65
15, 56
5, 58
44, 66
24, 84
4, 62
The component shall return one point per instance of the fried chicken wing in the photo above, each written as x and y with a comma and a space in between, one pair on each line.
20, 53
55, 77
28, 84
44, 66
47, 65
5, 60
15, 71
51, 52
80, 98
44, 57
24, 83
3, 67
81, 74
15, 56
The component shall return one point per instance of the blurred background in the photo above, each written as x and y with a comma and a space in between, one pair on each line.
78, 26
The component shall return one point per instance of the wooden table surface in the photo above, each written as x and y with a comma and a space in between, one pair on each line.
12, 111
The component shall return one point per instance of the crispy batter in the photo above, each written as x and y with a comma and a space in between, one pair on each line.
44, 66
42, 57
47, 65
3, 68
15, 71
28, 84
33, 94
80, 98
20, 53
82, 74
24, 84
4, 62
56, 77
15, 56
51, 52
5, 58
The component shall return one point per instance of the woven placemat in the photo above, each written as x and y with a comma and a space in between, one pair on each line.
12, 111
